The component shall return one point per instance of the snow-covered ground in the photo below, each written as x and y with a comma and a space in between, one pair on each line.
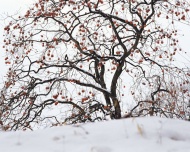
127, 135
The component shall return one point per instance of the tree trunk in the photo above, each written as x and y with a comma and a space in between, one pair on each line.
117, 112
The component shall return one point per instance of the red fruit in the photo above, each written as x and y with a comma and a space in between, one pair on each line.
55, 96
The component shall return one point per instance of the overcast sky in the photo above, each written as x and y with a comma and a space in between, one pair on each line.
9, 7
19, 6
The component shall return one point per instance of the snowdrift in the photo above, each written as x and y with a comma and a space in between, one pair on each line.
151, 134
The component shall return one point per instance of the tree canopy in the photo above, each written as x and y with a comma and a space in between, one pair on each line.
84, 60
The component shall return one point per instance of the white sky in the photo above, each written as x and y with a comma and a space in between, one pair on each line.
9, 7
19, 6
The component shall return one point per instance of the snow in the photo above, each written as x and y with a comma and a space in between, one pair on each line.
151, 134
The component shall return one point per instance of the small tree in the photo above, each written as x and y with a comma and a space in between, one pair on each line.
80, 60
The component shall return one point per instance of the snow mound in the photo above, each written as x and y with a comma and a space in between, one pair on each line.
150, 134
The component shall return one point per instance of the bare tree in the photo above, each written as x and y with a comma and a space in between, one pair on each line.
82, 60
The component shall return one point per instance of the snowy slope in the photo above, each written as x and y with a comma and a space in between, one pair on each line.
126, 135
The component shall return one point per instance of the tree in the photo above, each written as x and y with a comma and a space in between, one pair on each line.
81, 60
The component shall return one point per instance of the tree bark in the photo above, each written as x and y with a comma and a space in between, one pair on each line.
117, 112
